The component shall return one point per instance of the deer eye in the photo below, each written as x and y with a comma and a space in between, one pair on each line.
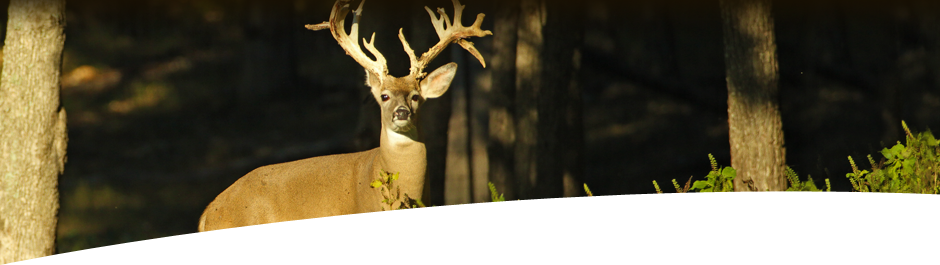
415, 97
384, 97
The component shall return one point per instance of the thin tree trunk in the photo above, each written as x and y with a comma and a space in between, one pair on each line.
479, 107
502, 130
457, 169
32, 129
528, 89
755, 128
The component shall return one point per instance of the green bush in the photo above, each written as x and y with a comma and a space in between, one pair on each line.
701, 224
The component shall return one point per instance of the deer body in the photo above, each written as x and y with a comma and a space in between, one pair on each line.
316, 187
340, 184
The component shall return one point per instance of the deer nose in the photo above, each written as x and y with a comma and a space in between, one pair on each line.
401, 114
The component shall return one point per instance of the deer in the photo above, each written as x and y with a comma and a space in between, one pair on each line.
341, 184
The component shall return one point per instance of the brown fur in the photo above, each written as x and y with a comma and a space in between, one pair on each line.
335, 184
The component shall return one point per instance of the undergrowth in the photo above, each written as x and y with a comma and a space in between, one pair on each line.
701, 223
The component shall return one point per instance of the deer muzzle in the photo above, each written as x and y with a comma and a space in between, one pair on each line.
401, 114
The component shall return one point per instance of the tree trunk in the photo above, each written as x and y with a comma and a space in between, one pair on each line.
457, 168
549, 137
502, 130
528, 88
467, 155
32, 129
478, 114
755, 128
560, 131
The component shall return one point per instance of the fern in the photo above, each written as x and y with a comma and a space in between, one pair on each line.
495, 196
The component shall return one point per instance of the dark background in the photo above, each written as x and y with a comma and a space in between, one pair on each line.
170, 101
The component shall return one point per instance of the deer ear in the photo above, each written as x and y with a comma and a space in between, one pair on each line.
438, 81
372, 81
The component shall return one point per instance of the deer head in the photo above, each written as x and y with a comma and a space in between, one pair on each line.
400, 97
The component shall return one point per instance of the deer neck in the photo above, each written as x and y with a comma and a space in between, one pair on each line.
403, 154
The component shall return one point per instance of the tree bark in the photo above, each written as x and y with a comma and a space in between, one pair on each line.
560, 102
528, 88
549, 138
478, 114
755, 128
502, 130
32, 129
457, 187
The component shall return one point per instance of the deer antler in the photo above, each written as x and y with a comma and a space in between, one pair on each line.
448, 33
349, 42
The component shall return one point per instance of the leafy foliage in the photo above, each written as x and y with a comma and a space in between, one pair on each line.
495, 196
392, 197
701, 224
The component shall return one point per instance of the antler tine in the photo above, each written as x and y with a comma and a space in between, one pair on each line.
411, 54
448, 33
349, 42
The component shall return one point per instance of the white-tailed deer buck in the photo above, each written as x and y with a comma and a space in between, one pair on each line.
340, 184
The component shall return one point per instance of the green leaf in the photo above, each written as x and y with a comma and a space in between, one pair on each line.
700, 184
729, 173
897, 150
375, 183
931, 141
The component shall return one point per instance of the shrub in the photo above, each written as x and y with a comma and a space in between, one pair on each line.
910, 168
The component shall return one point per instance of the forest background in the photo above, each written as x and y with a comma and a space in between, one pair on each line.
170, 101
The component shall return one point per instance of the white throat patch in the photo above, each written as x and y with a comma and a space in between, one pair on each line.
395, 138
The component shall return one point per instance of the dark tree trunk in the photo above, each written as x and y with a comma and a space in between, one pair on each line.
435, 116
548, 102
467, 159
32, 129
559, 129
457, 169
528, 88
478, 114
502, 130
755, 128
